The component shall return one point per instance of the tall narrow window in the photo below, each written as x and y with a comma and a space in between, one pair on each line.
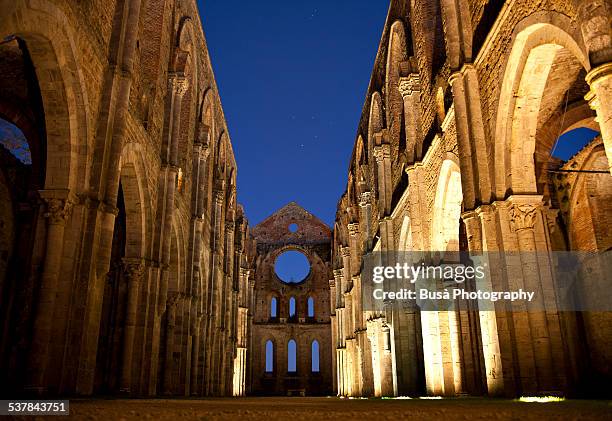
310, 307
274, 307
315, 356
291, 356
292, 307
269, 357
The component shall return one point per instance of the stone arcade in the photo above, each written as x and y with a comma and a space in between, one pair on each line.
127, 265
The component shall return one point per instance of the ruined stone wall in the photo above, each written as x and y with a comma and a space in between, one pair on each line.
487, 88
274, 237
134, 243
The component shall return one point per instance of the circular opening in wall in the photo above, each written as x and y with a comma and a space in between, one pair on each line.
293, 227
292, 267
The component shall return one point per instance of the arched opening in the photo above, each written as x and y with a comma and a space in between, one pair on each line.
441, 343
269, 357
291, 357
292, 308
274, 308
311, 308
544, 81
292, 267
572, 142
314, 357
23, 171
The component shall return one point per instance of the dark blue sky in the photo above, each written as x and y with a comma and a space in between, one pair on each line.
292, 76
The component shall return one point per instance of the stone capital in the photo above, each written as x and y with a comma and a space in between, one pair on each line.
365, 199
345, 251
523, 211
179, 84
353, 229
409, 85
338, 273
133, 269
58, 205
219, 196
382, 152
230, 226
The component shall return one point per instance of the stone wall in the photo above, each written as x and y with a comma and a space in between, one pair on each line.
130, 274
487, 88
274, 237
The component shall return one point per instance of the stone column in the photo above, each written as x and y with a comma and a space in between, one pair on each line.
133, 272
195, 355
410, 89
178, 87
365, 208
382, 153
600, 100
171, 304
473, 154
524, 212
58, 208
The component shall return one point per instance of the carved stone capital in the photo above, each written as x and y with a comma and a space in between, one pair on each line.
345, 251
219, 196
57, 210
338, 273
382, 152
523, 216
179, 85
409, 85
230, 226
353, 229
133, 269
365, 199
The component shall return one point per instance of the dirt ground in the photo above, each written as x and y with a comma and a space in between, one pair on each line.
311, 409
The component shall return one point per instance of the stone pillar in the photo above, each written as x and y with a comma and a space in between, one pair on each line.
334, 333
178, 87
133, 272
410, 89
195, 355
171, 304
600, 100
473, 154
382, 153
365, 208
524, 213
58, 208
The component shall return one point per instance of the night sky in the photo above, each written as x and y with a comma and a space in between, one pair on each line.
292, 77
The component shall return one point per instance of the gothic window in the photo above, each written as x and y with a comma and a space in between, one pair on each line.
310, 307
269, 356
292, 307
274, 307
314, 357
291, 356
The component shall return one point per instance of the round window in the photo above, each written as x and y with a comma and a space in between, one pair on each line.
293, 228
292, 267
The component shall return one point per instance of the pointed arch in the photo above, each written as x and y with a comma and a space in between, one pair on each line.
46, 31
538, 41
292, 356
314, 356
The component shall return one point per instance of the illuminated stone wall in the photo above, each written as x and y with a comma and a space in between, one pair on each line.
453, 152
